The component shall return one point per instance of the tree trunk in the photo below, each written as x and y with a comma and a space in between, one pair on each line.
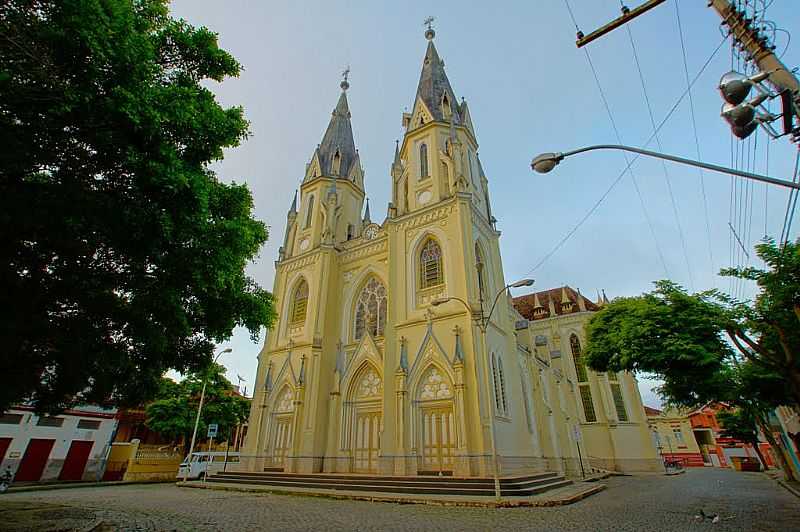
760, 455
788, 473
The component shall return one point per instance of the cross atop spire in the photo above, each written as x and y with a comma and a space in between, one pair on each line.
429, 33
345, 74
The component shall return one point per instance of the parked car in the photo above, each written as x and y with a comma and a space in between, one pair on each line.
205, 463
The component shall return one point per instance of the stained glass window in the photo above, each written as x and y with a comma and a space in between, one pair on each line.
431, 273
588, 405
577, 357
371, 309
300, 303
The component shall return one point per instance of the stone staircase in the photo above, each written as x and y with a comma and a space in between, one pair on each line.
521, 486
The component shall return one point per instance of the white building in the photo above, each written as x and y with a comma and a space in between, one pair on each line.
70, 446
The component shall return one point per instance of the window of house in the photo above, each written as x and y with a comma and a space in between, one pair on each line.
423, 161
678, 433
10, 419
300, 303
89, 424
430, 264
371, 309
310, 211
47, 421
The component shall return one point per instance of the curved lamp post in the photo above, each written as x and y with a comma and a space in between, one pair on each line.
545, 162
482, 321
200, 409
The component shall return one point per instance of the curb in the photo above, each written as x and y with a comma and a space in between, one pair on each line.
791, 489
71, 485
563, 501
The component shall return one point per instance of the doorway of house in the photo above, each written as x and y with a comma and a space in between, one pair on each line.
75, 462
34, 460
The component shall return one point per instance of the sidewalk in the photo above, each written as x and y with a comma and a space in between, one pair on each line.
556, 497
77, 484
792, 486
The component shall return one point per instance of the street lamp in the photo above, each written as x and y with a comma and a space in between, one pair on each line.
482, 322
545, 162
200, 409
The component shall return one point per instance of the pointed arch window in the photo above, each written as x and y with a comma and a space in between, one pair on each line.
499, 382
583, 379
431, 272
299, 303
371, 309
337, 163
480, 267
616, 395
310, 211
423, 161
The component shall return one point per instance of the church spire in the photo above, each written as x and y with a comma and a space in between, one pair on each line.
293, 208
337, 152
366, 214
434, 87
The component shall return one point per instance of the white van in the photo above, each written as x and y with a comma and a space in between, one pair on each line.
202, 464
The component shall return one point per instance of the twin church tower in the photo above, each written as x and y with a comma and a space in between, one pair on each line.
361, 372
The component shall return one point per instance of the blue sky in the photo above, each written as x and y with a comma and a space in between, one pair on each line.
529, 90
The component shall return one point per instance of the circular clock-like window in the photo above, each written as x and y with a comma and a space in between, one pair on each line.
424, 197
304, 244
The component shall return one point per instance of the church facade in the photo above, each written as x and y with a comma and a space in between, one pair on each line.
376, 363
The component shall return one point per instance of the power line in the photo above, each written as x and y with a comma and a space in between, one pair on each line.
627, 160
663, 164
594, 207
696, 139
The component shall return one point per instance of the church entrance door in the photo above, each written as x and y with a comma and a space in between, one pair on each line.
438, 440
367, 441
283, 440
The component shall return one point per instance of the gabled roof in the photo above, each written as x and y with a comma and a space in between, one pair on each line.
532, 309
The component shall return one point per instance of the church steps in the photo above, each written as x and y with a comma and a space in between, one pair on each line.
418, 478
523, 486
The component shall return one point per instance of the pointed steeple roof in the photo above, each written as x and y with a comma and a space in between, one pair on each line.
366, 214
434, 86
293, 208
338, 140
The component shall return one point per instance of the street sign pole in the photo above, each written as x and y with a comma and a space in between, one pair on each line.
576, 432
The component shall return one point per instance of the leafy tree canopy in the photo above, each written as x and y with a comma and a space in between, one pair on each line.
707, 346
123, 255
174, 411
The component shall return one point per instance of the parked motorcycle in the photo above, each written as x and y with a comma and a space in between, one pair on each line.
5, 480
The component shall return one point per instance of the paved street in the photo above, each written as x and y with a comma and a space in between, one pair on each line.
745, 501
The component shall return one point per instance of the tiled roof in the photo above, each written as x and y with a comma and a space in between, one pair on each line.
536, 306
433, 85
652, 412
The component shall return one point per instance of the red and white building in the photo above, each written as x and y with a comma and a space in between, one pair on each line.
73, 445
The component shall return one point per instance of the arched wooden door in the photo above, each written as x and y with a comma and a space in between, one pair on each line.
283, 415
436, 420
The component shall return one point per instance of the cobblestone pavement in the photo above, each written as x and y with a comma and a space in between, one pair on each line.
745, 501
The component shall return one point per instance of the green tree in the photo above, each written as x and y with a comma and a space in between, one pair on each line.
123, 255
709, 347
741, 424
174, 411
